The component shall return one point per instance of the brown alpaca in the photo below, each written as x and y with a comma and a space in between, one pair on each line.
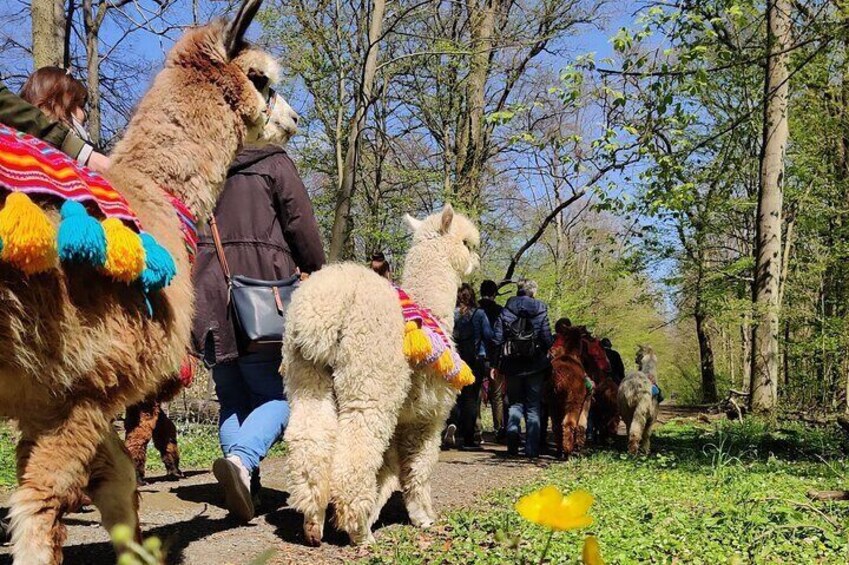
79, 347
570, 403
145, 421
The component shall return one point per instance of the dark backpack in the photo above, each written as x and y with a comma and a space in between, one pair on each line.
520, 338
464, 338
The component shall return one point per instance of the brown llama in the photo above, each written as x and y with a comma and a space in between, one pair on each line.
604, 410
570, 403
146, 421
79, 347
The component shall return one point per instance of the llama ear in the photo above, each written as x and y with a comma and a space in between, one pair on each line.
447, 218
413, 223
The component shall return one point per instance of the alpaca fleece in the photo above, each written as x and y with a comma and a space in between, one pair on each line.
79, 347
363, 423
637, 404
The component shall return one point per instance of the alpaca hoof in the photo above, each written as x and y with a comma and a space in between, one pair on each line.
313, 532
362, 540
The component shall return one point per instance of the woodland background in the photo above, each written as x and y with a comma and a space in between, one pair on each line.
672, 173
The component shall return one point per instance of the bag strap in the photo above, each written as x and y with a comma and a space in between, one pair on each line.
219, 249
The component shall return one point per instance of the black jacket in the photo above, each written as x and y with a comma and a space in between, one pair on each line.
617, 368
268, 230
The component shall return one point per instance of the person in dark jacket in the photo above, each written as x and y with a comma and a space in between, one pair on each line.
268, 231
525, 376
617, 367
19, 114
472, 333
495, 389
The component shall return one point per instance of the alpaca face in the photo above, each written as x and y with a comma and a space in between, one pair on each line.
458, 236
279, 121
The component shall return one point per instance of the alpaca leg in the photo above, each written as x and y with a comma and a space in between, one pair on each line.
387, 482
367, 420
311, 440
139, 422
418, 451
52, 480
112, 485
165, 441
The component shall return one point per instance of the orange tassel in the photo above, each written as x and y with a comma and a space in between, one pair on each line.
417, 346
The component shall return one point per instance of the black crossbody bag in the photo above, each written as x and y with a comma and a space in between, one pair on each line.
258, 306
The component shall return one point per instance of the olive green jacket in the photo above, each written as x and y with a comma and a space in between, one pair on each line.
17, 113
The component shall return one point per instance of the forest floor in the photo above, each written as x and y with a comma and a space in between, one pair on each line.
711, 492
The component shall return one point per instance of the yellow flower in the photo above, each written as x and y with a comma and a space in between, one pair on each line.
592, 554
548, 507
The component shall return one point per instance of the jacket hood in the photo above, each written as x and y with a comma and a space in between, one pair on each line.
525, 305
252, 155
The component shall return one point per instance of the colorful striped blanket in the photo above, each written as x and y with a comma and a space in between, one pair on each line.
117, 245
427, 345
31, 166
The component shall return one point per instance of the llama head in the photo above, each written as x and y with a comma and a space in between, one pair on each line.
451, 235
646, 359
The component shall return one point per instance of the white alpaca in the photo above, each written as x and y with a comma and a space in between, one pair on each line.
363, 423
636, 403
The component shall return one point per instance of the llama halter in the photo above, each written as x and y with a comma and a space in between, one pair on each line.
427, 345
117, 244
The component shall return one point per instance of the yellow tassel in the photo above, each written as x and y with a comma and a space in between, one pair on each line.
125, 257
464, 378
417, 346
445, 364
28, 236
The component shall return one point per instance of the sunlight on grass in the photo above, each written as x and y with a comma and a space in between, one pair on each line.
708, 495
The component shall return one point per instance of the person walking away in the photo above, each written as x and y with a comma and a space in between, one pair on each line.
268, 231
471, 334
380, 265
617, 367
495, 390
523, 333
49, 116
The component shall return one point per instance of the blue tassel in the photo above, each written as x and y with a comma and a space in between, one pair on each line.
81, 238
159, 266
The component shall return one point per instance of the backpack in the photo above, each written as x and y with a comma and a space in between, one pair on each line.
464, 338
520, 338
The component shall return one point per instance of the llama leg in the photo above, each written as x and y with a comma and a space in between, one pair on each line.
387, 482
165, 441
139, 423
581, 430
635, 435
311, 440
571, 427
52, 480
418, 451
112, 485
645, 443
558, 424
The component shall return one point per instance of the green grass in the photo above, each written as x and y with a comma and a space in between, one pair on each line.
198, 449
707, 495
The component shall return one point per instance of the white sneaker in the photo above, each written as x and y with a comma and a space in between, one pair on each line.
235, 481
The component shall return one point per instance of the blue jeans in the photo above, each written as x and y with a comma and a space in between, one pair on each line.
524, 395
253, 408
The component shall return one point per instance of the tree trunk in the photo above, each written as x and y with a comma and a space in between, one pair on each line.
765, 354
746, 352
92, 21
472, 151
706, 356
48, 32
340, 232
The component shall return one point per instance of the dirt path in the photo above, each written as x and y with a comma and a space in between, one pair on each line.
188, 516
